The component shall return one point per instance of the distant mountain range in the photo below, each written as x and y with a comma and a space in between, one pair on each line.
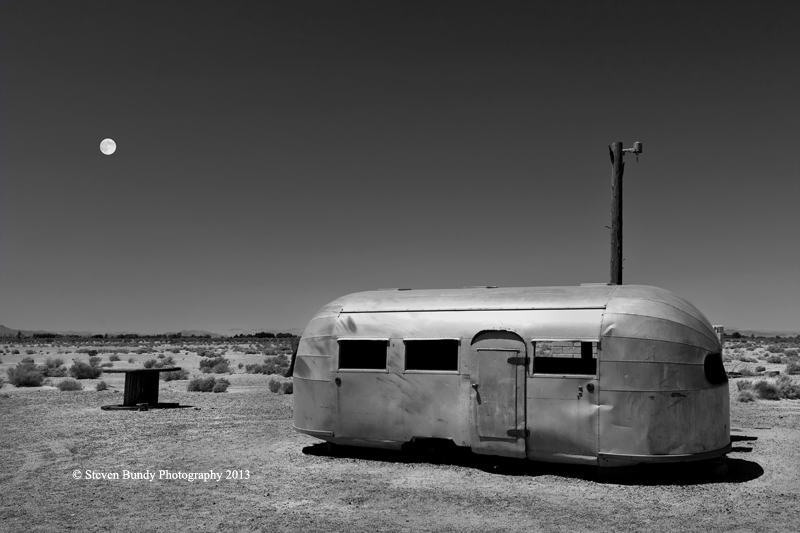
238, 331
11, 332
762, 332
5, 332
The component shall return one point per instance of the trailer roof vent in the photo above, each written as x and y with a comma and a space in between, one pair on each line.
481, 287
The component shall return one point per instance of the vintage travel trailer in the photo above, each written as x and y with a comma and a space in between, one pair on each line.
607, 375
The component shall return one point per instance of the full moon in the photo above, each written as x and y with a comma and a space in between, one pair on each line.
108, 146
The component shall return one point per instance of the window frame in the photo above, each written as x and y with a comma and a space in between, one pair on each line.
419, 371
532, 368
339, 368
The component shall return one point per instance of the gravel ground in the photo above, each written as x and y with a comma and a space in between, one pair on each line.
294, 485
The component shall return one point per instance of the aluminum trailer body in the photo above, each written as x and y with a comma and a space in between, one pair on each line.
609, 375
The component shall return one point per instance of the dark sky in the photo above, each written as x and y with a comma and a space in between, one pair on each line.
273, 156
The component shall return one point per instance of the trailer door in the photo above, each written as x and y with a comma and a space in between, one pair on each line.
498, 397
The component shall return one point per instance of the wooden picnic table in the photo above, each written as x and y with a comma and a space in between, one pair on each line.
141, 387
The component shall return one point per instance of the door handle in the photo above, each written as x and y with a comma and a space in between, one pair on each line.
477, 393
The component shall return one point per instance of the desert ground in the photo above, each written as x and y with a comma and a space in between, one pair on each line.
65, 461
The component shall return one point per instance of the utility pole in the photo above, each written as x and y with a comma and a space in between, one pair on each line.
617, 168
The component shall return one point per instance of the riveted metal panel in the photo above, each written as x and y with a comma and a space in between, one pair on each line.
643, 327
398, 407
646, 293
660, 310
316, 368
646, 376
322, 346
660, 423
320, 326
312, 405
552, 323
625, 349
478, 298
562, 416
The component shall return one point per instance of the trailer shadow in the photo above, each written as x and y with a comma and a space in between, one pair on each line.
725, 470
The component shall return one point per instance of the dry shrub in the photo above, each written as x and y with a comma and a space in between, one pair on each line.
746, 396
69, 384
276, 365
272, 365
150, 363
101, 386
788, 388
113, 357
207, 384
25, 374
745, 384
760, 369
774, 359
216, 365
198, 384
221, 385
274, 384
767, 390
82, 370
53, 368
175, 375
793, 368
747, 372
255, 369
282, 385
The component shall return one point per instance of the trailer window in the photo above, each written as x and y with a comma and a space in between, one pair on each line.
363, 355
565, 357
714, 369
432, 355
